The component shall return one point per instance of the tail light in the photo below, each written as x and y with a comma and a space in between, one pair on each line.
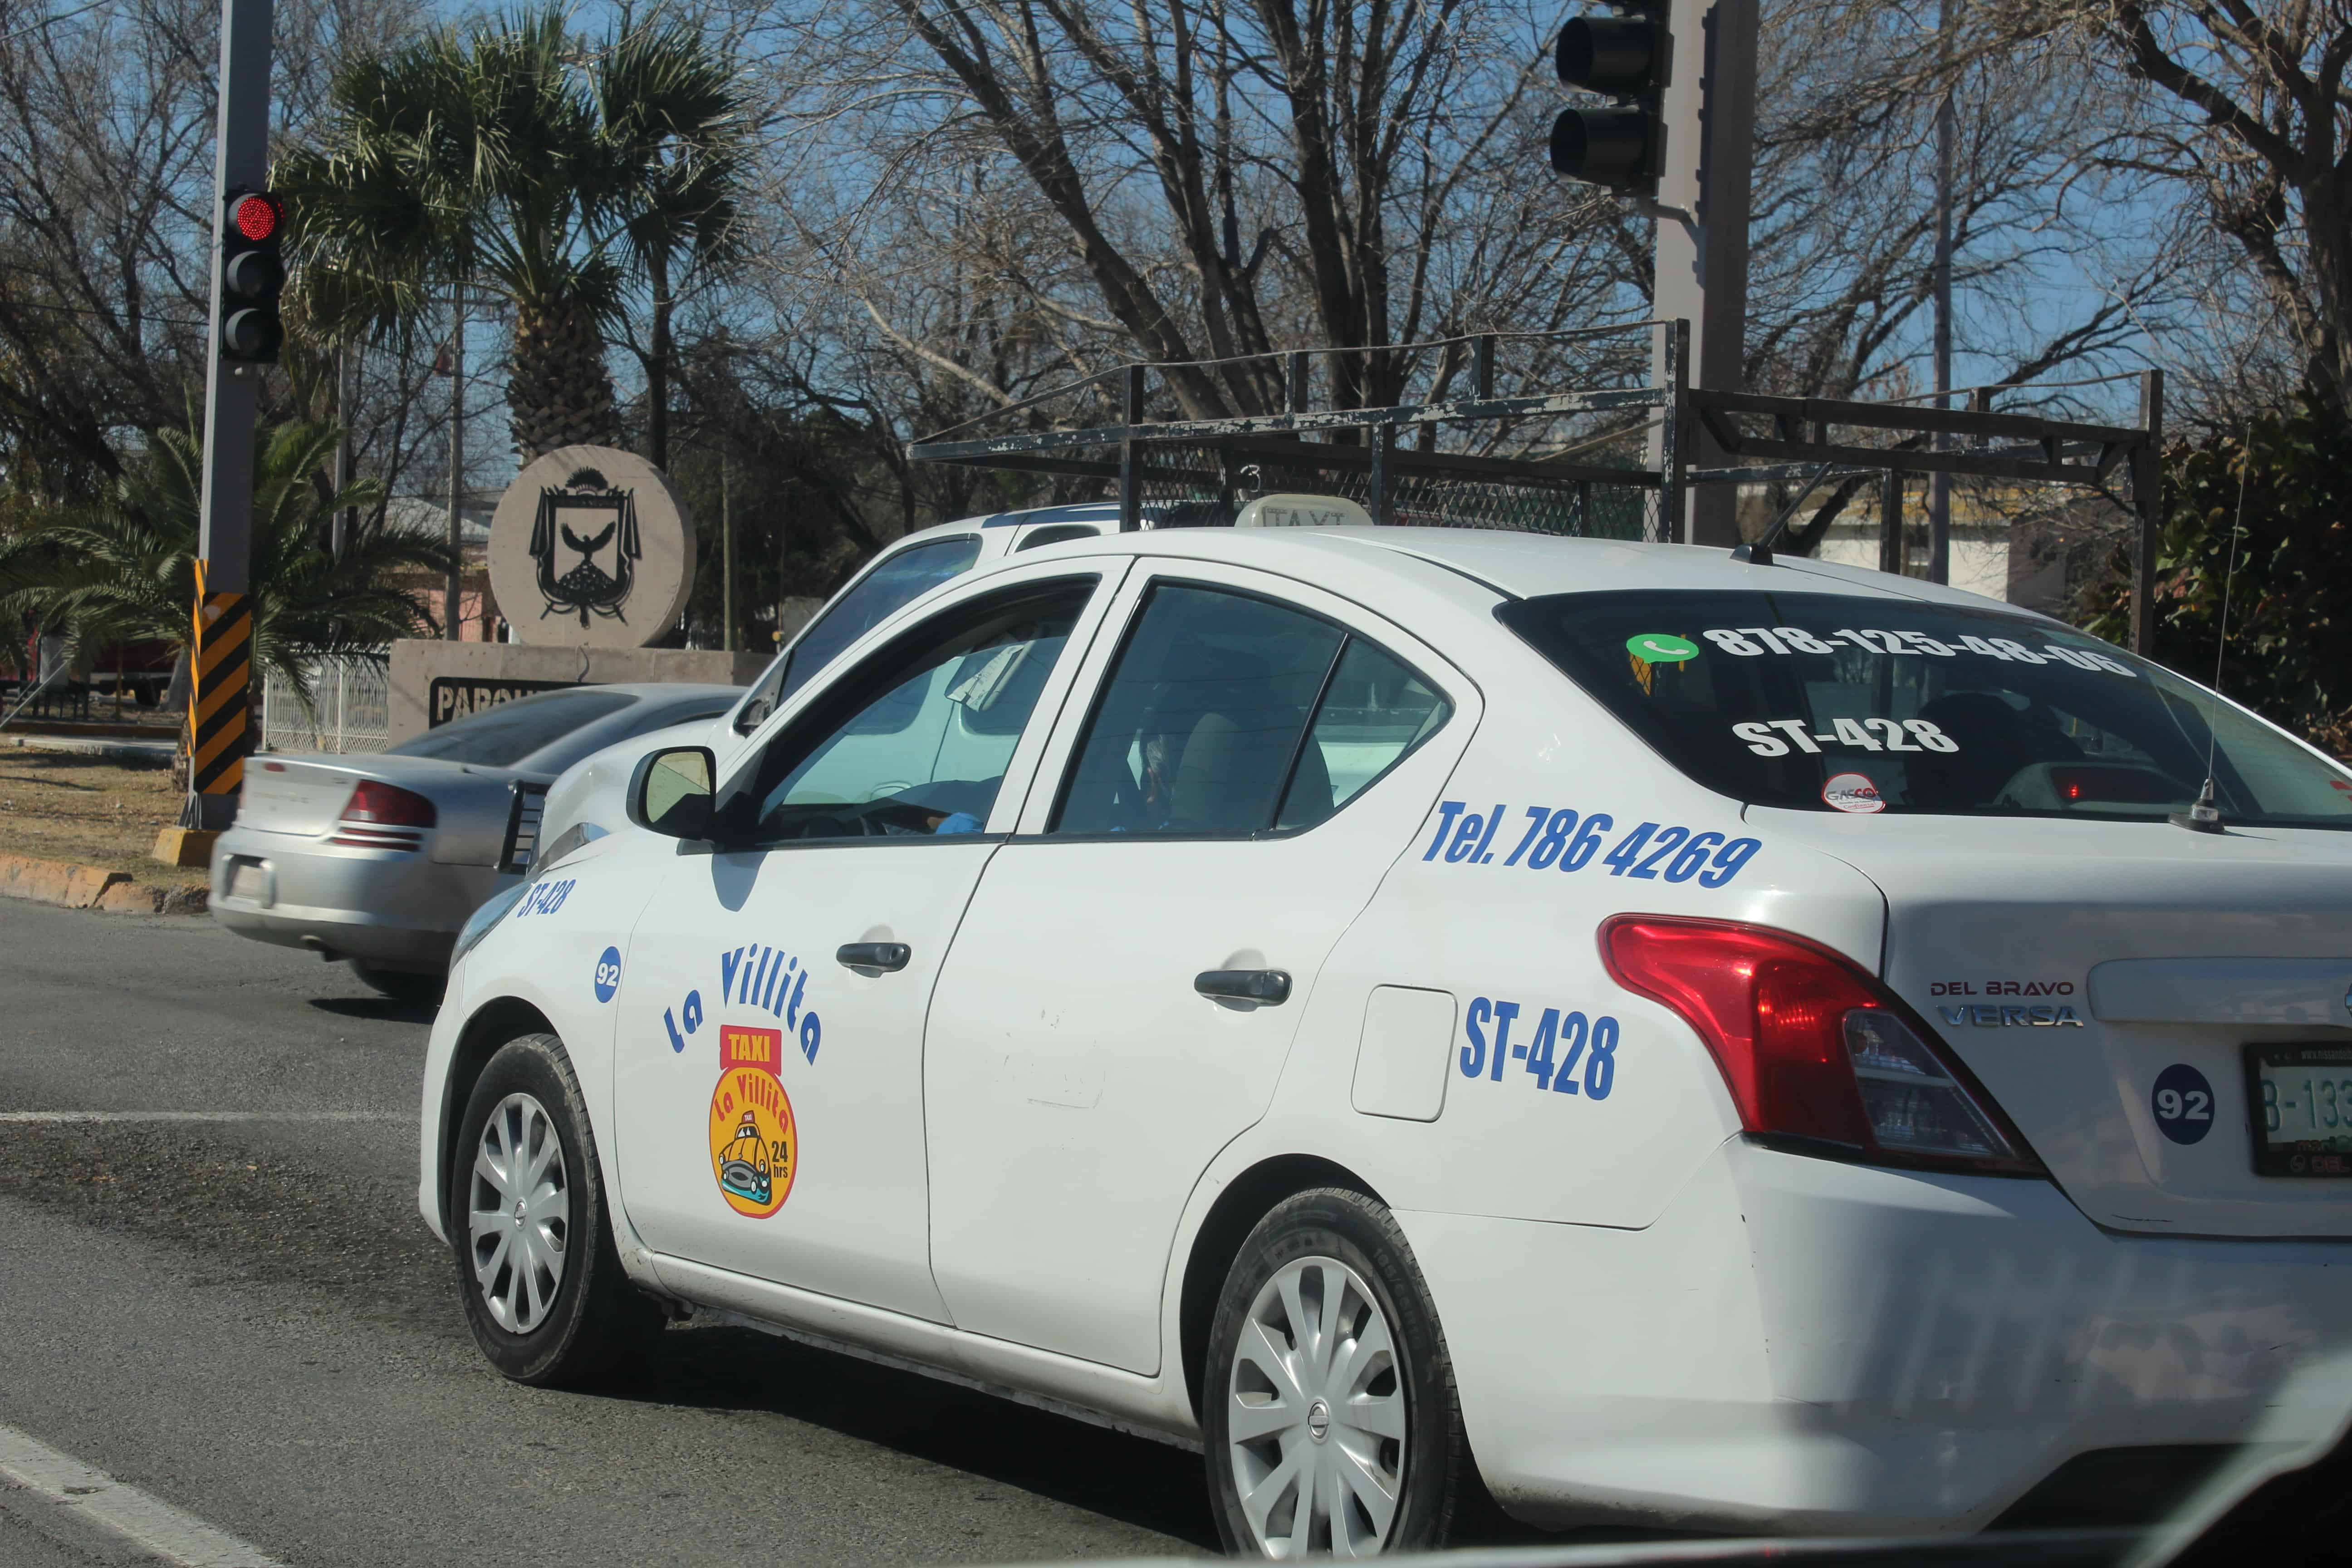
1812, 1048
384, 816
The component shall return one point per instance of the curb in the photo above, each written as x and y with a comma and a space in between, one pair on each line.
131, 753
131, 899
74, 887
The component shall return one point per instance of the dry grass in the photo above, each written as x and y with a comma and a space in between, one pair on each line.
90, 811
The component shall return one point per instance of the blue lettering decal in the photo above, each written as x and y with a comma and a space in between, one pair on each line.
1447, 810
1644, 852
809, 1034
727, 964
1474, 1054
799, 988
1563, 1040
1504, 1012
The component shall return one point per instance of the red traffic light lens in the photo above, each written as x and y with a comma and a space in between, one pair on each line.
257, 216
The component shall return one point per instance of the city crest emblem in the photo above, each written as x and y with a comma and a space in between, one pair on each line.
587, 586
754, 1146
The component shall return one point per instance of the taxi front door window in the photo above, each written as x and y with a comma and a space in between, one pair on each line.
917, 742
881, 593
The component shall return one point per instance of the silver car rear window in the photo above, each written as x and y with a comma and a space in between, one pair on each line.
507, 733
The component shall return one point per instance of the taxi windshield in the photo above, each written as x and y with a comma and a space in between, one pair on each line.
1835, 702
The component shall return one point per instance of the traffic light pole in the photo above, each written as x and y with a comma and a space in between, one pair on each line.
1708, 109
220, 729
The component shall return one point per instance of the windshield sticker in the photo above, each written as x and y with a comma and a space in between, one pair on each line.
1552, 1057
754, 1142
1659, 648
1854, 793
1856, 734
1571, 840
1755, 642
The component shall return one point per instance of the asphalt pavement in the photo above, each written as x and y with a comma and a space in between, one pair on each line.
216, 1294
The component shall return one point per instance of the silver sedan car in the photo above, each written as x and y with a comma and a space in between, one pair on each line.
378, 858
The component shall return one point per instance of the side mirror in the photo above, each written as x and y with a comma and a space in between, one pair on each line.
672, 791
755, 713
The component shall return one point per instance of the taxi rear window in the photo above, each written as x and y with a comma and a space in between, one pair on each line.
1834, 702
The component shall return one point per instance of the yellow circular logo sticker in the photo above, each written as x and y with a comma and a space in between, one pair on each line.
754, 1147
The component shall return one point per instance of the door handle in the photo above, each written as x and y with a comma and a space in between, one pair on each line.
885, 955
1271, 986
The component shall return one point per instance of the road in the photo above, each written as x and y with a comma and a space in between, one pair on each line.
243, 1318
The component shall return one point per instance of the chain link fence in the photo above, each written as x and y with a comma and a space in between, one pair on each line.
1179, 481
348, 710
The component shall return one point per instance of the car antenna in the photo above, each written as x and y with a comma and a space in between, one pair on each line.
2205, 817
1758, 551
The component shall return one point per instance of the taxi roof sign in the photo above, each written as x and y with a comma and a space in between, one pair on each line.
1302, 511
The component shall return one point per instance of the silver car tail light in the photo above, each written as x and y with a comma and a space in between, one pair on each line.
384, 817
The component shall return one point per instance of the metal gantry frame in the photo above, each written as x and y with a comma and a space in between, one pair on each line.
1785, 439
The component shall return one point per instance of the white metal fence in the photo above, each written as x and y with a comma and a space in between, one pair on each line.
347, 711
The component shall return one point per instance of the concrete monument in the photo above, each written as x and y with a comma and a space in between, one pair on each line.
591, 548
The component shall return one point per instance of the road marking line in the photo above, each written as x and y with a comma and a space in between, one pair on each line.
181, 1539
205, 1116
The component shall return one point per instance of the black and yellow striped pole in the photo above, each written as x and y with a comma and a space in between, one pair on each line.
220, 728
220, 719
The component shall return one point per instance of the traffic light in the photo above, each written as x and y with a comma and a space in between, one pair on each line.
1622, 54
251, 276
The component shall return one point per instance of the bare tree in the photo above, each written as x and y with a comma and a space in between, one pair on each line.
1232, 179
2235, 116
106, 169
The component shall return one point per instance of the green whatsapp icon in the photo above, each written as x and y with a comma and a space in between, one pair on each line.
1658, 647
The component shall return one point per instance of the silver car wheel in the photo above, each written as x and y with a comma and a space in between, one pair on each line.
1314, 1415
520, 1214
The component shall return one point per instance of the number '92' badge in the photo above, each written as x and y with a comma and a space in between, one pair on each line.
2182, 1101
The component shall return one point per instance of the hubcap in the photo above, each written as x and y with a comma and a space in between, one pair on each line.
1315, 1415
521, 1214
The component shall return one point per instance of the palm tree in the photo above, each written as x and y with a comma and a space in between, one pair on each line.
676, 123
470, 162
510, 159
124, 570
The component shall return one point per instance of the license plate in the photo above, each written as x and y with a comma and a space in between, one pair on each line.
247, 881
2300, 1100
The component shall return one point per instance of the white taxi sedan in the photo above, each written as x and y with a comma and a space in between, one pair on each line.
1657, 1038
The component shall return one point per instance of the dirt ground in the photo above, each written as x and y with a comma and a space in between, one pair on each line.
90, 811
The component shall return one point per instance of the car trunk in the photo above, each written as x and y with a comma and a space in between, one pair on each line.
301, 795
2105, 981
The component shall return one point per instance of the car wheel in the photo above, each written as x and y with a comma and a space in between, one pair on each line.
1328, 1397
404, 985
537, 1266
